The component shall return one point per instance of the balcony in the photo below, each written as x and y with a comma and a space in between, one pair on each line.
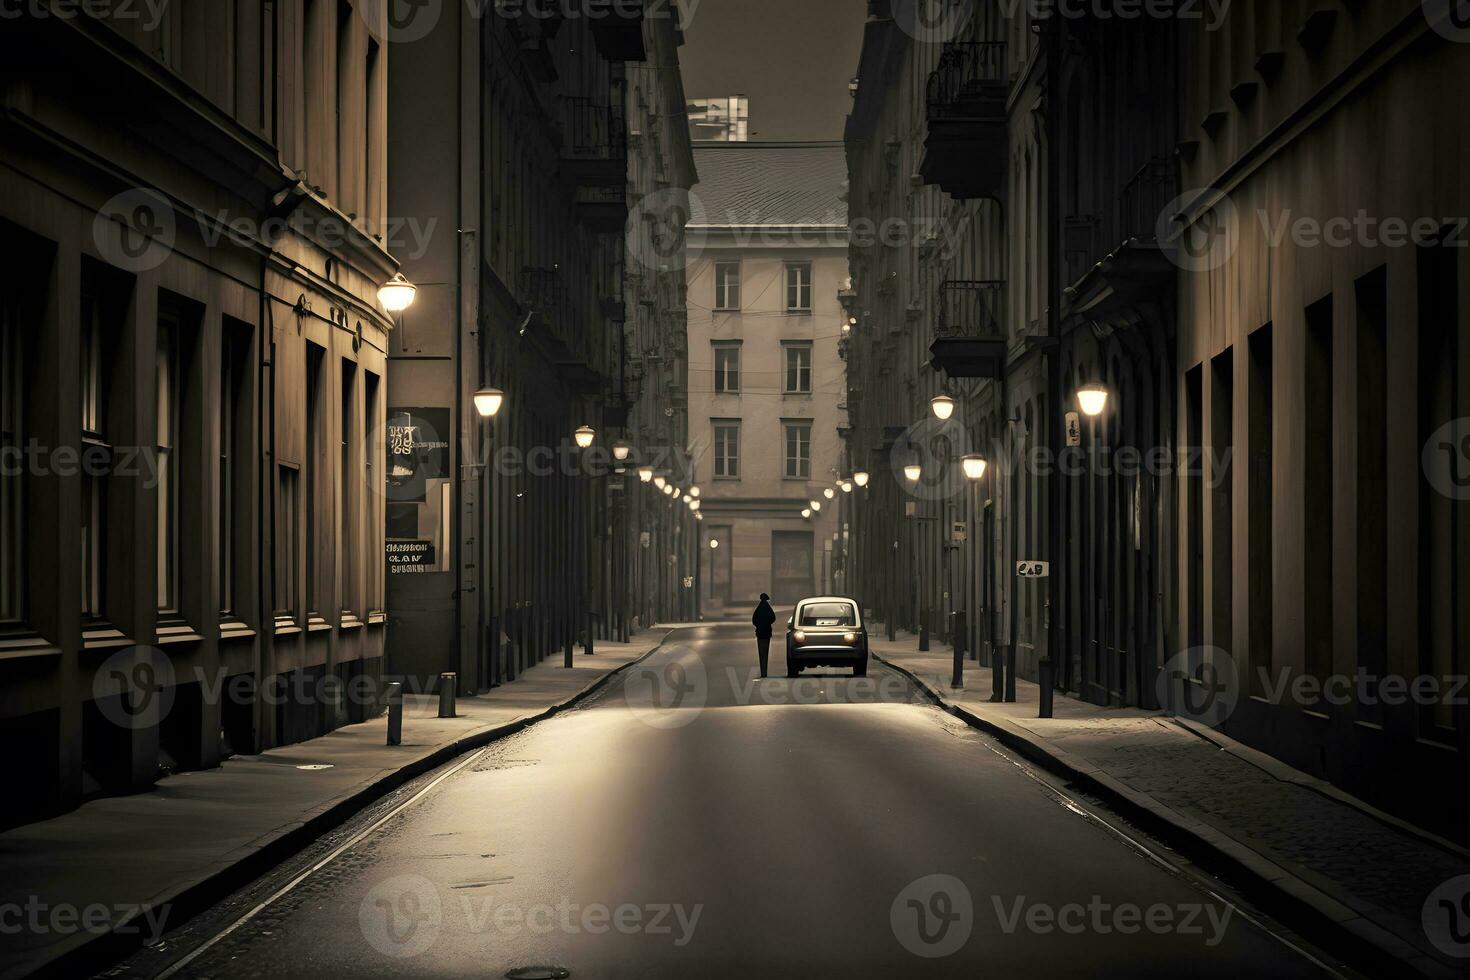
617, 29
965, 151
603, 210
594, 151
969, 329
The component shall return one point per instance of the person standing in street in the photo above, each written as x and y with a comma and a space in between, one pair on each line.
763, 620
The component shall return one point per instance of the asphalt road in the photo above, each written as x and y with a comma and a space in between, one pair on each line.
690, 821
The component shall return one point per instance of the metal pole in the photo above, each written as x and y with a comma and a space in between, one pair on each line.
447, 683
957, 682
1054, 371
393, 694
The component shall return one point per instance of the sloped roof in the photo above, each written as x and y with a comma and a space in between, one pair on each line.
770, 183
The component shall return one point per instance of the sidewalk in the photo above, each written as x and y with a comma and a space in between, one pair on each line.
1363, 876
99, 879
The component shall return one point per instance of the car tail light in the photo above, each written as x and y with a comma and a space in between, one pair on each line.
849, 637
799, 636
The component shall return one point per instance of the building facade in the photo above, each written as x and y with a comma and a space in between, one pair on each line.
194, 384
768, 255
552, 138
1170, 208
720, 120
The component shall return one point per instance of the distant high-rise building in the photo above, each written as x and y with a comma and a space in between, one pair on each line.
723, 120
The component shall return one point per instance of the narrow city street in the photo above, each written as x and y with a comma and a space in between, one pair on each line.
691, 820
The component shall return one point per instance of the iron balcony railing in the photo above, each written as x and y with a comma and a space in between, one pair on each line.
1144, 198
592, 131
971, 308
966, 70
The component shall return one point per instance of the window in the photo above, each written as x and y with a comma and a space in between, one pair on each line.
1317, 502
799, 288
311, 505
727, 285
347, 543
798, 450
727, 449
798, 369
96, 454
169, 392
1260, 430
375, 490
234, 433
827, 614
727, 369
12, 472
287, 531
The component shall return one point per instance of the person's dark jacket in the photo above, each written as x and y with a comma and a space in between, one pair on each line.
763, 619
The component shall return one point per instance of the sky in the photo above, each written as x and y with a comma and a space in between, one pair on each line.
791, 58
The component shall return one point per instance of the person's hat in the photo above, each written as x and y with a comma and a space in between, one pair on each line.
765, 598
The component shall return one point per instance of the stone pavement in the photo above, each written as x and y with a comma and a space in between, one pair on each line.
1308, 845
80, 888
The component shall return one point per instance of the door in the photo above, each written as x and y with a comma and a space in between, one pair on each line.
791, 566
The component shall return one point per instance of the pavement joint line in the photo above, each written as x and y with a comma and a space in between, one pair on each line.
104, 949
1166, 822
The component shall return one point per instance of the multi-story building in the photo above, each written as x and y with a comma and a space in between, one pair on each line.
768, 255
515, 137
1322, 347
1172, 208
725, 120
193, 384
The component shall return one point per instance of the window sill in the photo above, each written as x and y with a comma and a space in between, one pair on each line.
803, 395
20, 642
315, 624
377, 618
234, 629
286, 626
104, 636
350, 620
798, 312
175, 630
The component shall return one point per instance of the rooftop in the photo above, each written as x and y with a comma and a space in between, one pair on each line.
745, 184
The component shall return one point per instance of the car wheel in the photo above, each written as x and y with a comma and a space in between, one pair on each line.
792, 670
861, 670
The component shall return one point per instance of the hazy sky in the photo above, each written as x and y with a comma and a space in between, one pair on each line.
792, 58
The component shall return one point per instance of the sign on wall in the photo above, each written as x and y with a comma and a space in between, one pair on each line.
418, 489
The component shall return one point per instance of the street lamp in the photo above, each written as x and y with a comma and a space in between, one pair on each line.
694, 505
1092, 398
714, 543
659, 482
942, 406
846, 486
687, 499
620, 450
488, 402
974, 466
860, 478
645, 474
912, 472
584, 436
816, 504
806, 512
829, 493
694, 492
397, 294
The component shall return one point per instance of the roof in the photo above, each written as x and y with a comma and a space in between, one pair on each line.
746, 184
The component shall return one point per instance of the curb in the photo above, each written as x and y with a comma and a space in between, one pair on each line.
104, 950
1341, 929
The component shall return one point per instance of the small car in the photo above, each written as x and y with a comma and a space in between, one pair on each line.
826, 631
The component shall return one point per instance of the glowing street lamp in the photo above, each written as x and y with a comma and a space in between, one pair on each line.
488, 402
645, 474
860, 478
942, 406
584, 436
815, 504
1092, 399
714, 544
620, 450
694, 492
694, 505
846, 486
396, 295
660, 483
912, 472
806, 512
974, 466
829, 493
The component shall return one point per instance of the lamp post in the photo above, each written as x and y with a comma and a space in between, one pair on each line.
488, 402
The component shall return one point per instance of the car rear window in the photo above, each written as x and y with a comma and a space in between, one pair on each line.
828, 614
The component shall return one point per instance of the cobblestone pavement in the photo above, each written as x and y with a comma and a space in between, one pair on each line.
1383, 872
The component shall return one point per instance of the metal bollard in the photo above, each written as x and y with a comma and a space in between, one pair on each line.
394, 695
957, 682
447, 683
1044, 681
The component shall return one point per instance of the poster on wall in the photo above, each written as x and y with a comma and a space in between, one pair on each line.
418, 490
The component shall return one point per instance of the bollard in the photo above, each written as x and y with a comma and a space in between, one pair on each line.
1043, 679
997, 673
447, 683
923, 631
394, 696
888, 622
957, 682
566, 651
